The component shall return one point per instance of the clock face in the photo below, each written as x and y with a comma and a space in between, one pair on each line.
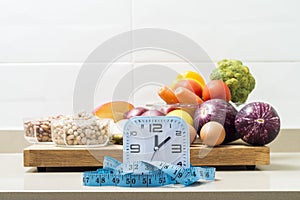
157, 139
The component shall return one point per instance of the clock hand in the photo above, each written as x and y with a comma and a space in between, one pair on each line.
156, 142
164, 142
160, 145
155, 146
153, 155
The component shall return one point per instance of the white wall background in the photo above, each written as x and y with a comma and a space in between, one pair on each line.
44, 43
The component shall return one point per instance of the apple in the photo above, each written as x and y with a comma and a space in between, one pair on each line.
190, 85
114, 110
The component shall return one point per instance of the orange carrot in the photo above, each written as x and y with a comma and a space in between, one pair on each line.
167, 95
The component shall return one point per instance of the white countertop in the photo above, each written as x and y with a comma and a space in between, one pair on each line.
279, 180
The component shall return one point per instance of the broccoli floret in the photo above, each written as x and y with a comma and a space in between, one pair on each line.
238, 78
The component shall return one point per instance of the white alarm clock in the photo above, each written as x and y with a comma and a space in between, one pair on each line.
157, 138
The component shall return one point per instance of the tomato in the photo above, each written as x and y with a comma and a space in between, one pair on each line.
216, 89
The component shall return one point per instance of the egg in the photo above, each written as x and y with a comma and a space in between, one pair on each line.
193, 133
212, 133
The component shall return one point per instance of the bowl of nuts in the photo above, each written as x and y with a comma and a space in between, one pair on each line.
83, 130
38, 130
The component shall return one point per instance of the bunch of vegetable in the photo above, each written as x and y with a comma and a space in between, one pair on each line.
231, 82
238, 78
208, 107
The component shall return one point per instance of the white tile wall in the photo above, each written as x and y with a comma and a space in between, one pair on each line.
43, 45
58, 31
35, 90
251, 30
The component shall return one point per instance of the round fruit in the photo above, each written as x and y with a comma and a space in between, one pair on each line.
258, 123
216, 89
192, 75
212, 133
183, 115
191, 85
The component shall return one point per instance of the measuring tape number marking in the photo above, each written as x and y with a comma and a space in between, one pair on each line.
145, 174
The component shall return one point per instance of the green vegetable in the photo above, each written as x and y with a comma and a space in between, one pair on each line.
238, 78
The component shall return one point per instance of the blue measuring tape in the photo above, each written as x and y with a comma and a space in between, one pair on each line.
145, 174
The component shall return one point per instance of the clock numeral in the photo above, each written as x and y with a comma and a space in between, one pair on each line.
176, 148
133, 133
178, 133
135, 148
155, 128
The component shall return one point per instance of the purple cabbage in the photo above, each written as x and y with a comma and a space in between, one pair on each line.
220, 111
258, 123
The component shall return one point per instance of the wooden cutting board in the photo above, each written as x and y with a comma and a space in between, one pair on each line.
43, 156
